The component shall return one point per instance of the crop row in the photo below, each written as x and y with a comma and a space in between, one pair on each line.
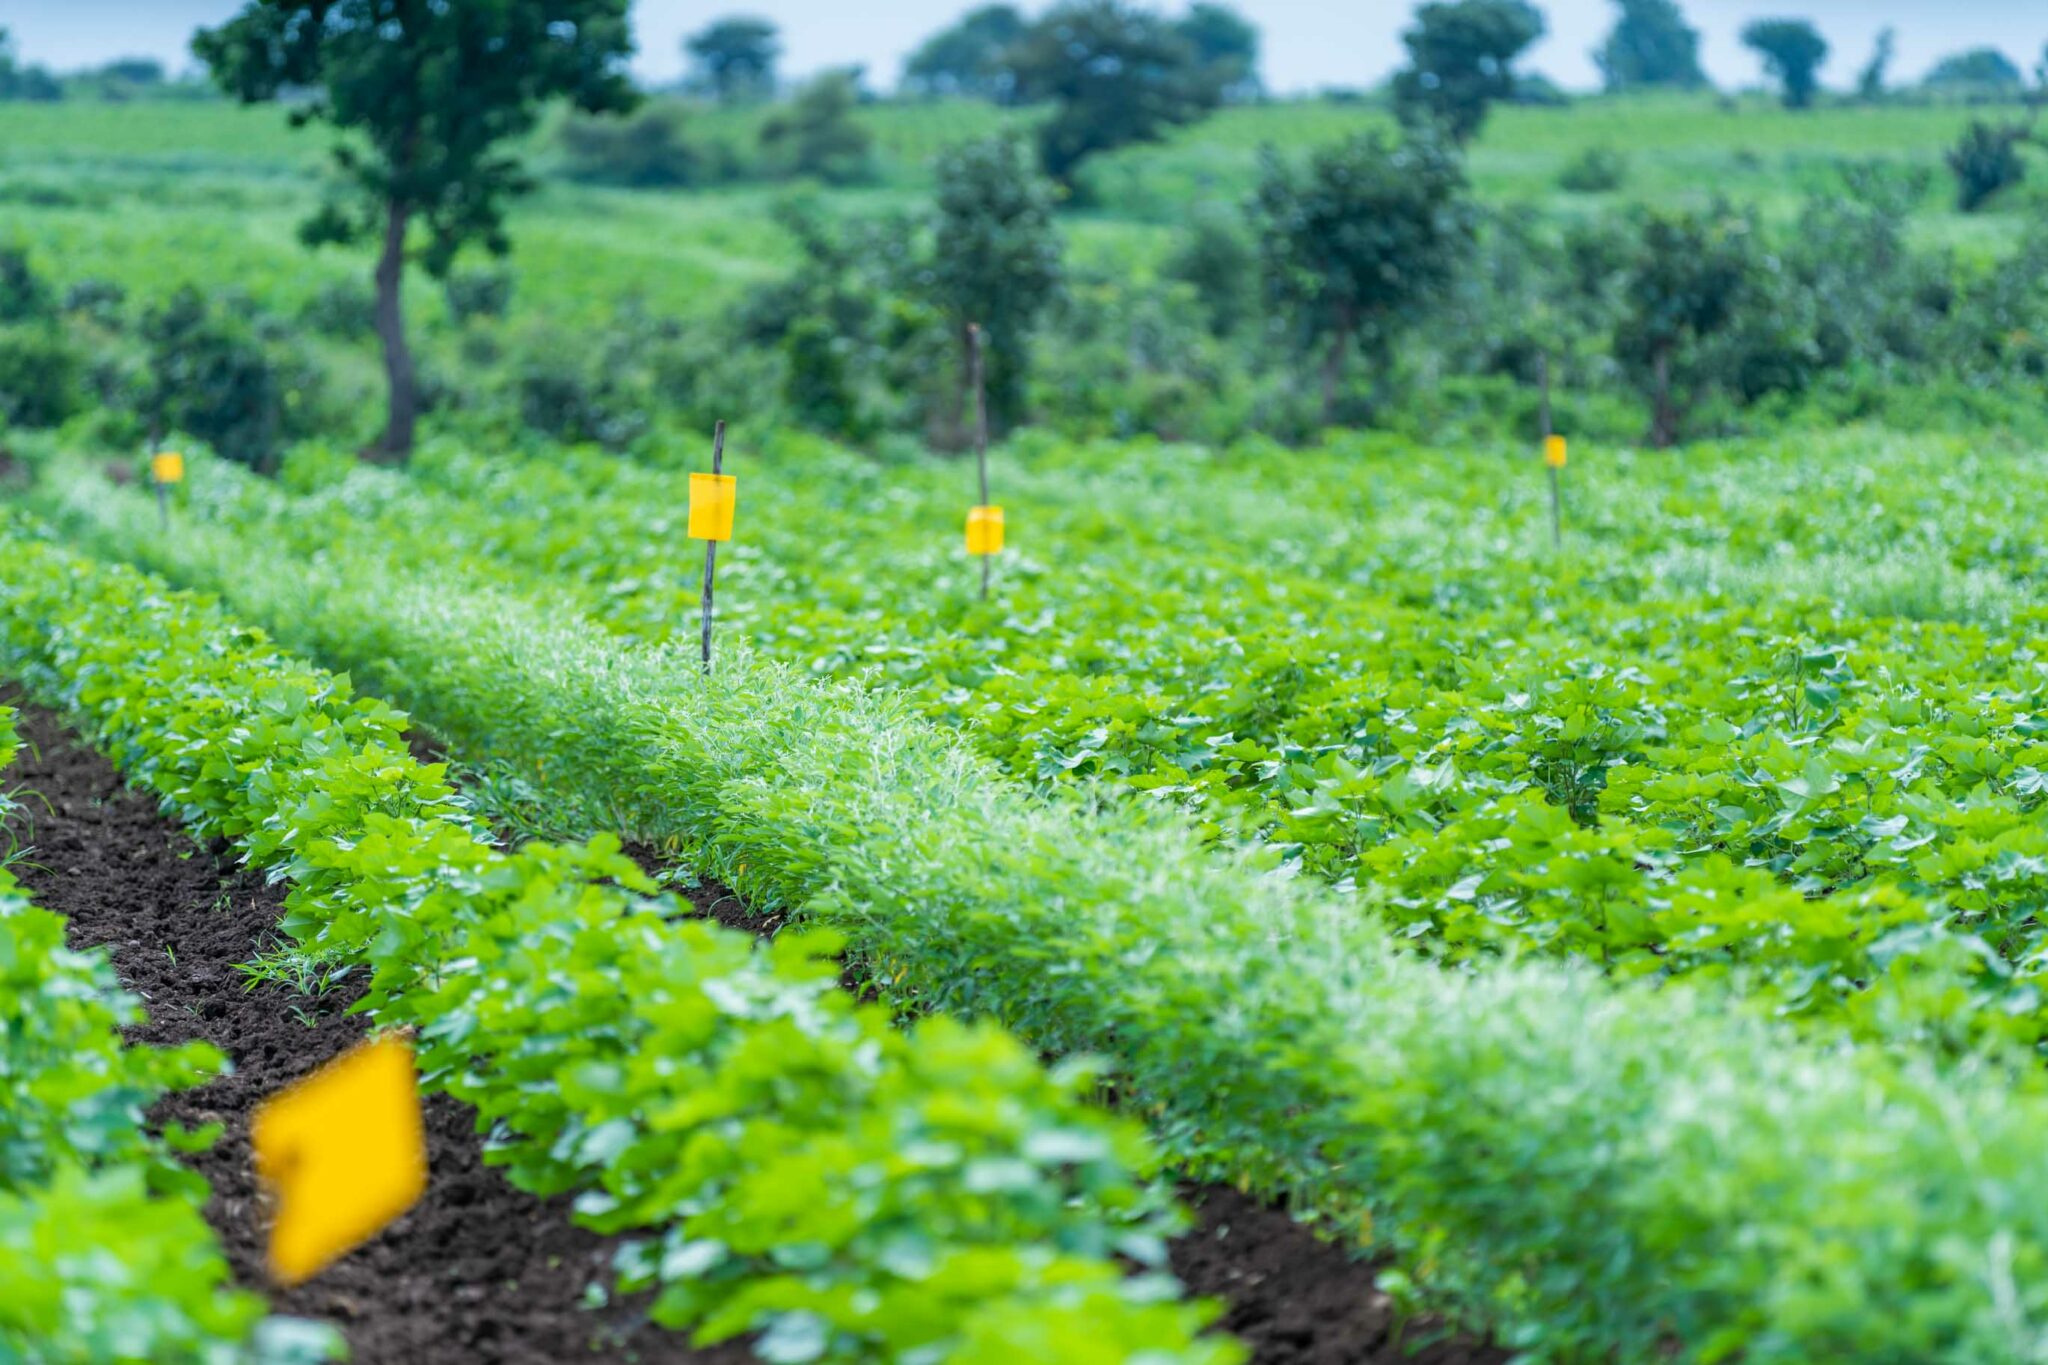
800, 1168
1594, 1166
1594, 759
103, 1254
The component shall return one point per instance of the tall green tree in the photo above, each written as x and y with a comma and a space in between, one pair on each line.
995, 262
1651, 46
1691, 276
1870, 81
734, 57
1461, 56
1226, 45
1355, 246
1978, 71
969, 57
1118, 75
429, 93
20, 82
1793, 52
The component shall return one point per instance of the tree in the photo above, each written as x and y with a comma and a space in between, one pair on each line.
995, 262
816, 135
429, 93
1983, 71
1226, 46
1986, 162
1461, 59
969, 58
18, 82
1689, 279
1793, 52
1650, 45
734, 57
1351, 249
1118, 75
1870, 85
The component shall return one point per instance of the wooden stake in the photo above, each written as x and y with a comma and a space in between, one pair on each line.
711, 546
1556, 498
975, 380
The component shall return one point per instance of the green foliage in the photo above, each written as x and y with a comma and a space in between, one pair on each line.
649, 149
1226, 45
40, 376
1461, 56
209, 377
25, 83
434, 91
1352, 247
995, 261
799, 1167
815, 134
1986, 162
1597, 170
1981, 71
1691, 275
1650, 46
1792, 51
968, 58
733, 58
1220, 264
1116, 75
1534, 1138
1870, 81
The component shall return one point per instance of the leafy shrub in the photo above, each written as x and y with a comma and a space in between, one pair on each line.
342, 309
1986, 162
1217, 260
209, 377
1597, 170
815, 134
649, 149
40, 374
472, 294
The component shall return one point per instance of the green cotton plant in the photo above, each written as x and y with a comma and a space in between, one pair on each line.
1595, 1169
797, 1167
1377, 706
103, 1253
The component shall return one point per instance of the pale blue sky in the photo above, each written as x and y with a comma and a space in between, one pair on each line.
1309, 43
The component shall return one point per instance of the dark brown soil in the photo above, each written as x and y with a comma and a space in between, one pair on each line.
1297, 1300
478, 1271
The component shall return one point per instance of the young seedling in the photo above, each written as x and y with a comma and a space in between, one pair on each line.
984, 522
711, 506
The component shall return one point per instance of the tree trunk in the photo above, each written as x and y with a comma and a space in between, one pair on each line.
1333, 373
1663, 419
395, 447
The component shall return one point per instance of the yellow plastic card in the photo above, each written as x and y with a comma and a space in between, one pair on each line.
985, 530
167, 467
711, 502
1554, 451
344, 1152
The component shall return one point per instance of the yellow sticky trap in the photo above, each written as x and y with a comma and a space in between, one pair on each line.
344, 1152
711, 502
985, 530
167, 467
1554, 451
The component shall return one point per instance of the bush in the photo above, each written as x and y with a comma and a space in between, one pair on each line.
1218, 262
648, 150
1597, 170
1986, 162
342, 309
39, 376
472, 294
211, 378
